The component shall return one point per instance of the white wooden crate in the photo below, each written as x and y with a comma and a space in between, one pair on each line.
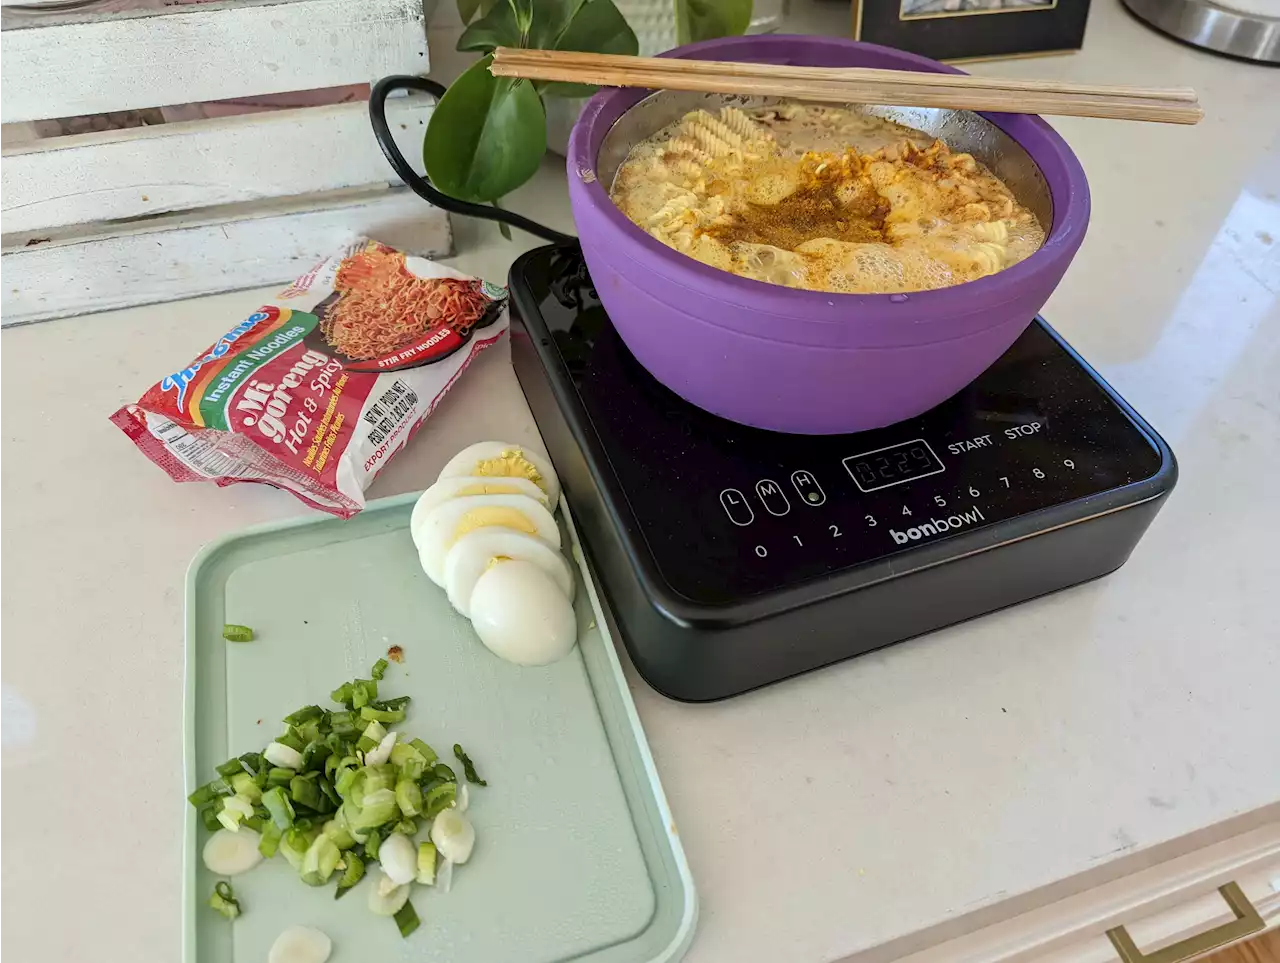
105, 220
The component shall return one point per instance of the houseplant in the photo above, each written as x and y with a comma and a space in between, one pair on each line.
487, 135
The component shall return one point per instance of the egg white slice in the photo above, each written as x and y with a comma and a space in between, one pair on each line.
460, 485
474, 553
451, 519
486, 458
521, 615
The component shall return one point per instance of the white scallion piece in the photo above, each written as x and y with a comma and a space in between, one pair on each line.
444, 876
390, 901
283, 756
453, 835
378, 756
399, 858
300, 944
229, 854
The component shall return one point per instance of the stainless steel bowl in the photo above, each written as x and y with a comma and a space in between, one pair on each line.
961, 130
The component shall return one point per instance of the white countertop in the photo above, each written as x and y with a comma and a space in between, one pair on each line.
929, 785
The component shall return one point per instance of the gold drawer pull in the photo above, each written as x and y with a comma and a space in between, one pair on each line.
1247, 921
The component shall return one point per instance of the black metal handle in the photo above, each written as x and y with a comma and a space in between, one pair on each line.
423, 187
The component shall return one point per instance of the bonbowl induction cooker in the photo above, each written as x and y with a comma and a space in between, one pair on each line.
732, 557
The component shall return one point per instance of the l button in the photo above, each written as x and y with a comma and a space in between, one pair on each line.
773, 497
736, 507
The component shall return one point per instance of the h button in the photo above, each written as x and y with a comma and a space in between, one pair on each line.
807, 487
772, 497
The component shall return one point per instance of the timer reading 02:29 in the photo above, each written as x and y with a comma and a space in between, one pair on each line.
893, 465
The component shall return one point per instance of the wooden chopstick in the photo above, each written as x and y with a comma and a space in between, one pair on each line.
791, 72
854, 85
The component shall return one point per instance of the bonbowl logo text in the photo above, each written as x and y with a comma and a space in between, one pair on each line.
180, 380
936, 526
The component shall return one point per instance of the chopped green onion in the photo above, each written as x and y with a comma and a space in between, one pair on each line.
270, 840
209, 792
379, 669
370, 714
294, 846
279, 776
379, 807
399, 702
320, 861
339, 833
428, 753
314, 755
209, 817
408, 796
278, 806
224, 900
468, 767
245, 785
439, 799
305, 790
305, 714
230, 768
237, 633
426, 864
406, 919
351, 875
374, 733
234, 809
290, 739
344, 723
251, 762
363, 691
342, 694
373, 844
442, 771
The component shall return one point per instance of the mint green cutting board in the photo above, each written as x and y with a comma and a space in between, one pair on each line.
576, 856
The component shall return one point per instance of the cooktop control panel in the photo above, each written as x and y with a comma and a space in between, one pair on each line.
729, 511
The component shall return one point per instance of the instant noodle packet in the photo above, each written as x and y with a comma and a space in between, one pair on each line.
315, 394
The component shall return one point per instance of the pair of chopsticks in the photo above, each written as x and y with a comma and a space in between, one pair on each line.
854, 85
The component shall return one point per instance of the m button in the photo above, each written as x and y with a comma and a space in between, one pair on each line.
772, 497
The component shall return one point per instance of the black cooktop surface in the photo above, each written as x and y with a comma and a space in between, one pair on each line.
729, 512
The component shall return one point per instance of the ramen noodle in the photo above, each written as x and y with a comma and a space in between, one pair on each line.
824, 198
316, 393
382, 304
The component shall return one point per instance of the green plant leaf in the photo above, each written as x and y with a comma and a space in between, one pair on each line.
597, 27
486, 135
708, 19
523, 10
550, 19
497, 28
468, 9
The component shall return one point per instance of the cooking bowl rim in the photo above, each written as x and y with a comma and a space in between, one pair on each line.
1068, 191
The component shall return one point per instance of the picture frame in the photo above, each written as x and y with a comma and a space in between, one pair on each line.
959, 30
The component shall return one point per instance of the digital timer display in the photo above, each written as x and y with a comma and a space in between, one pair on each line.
894, 465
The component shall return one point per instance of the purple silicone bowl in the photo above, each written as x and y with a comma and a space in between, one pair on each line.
809, 362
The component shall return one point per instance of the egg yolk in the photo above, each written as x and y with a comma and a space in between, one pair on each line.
510, 464
490, 488
490, 515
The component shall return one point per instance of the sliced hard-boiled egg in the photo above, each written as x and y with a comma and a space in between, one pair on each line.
459, 485
474, 553
504, 460
521, 615
450, 520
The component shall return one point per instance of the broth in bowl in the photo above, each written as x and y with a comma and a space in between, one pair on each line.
823, 198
